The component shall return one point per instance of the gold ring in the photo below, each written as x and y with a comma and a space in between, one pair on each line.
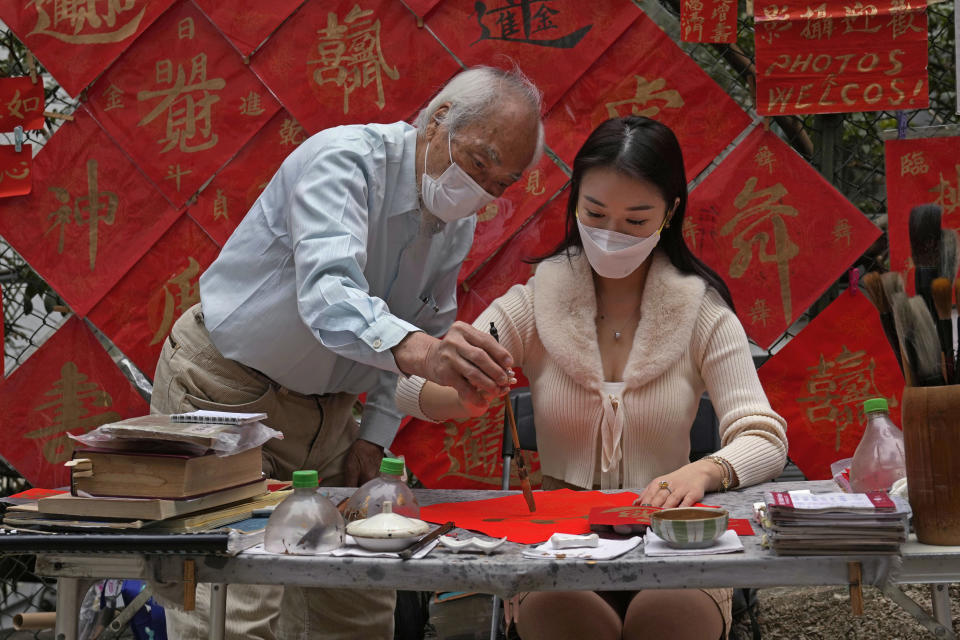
665, 485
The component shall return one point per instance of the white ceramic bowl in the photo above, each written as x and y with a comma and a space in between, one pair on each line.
386, 544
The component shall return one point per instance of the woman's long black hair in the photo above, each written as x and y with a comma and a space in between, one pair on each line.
648, 150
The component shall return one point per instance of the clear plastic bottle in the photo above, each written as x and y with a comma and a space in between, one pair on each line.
388, 486
305, 522
878, 461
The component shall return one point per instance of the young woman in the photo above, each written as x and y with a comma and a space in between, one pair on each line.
619, 332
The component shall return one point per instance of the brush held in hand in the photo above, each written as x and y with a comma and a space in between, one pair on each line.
925, 249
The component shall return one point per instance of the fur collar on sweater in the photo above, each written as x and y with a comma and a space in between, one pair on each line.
565, 306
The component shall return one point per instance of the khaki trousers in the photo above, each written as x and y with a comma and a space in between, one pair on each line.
318, 432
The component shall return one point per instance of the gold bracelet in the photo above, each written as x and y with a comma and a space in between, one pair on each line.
725, 471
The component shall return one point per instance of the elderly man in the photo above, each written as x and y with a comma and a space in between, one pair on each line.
342, 275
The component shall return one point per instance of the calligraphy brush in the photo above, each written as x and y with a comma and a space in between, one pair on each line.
941, 290
873, 286
518, 452
925, 248
924, 345
948, 254
900, 305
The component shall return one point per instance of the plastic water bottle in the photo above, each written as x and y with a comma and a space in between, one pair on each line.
305, 522
878, 461
387, 487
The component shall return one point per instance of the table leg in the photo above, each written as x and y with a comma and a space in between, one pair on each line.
70, 592
940, 595
218, 610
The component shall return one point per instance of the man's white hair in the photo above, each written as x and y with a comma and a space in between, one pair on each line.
472, 92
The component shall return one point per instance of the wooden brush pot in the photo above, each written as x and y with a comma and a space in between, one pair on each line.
931, 440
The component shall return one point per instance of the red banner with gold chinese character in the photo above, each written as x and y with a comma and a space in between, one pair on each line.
501, 218
69, 385
137, 313
645, 73
819, 380
352, 61
181, 102
836, 57
225, 201
90, 216
919, 172
75, 41
247, 23
16, 170
775, 231
552, 41
21, 103
708, 20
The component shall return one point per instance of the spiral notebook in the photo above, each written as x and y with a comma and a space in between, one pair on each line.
217, 417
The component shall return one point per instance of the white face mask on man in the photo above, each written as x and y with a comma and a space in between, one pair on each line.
616, 255
454, 194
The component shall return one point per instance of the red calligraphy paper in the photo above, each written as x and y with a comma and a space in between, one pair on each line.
775, 231
835, 57
16, 170
90, 216
560, 511
247, 23
552, 41
181, 102
708, 20
645, 73
500, 219
919, 172
138, 312
346, 62
77, 41
21, 103
69, 385
820, 379
225, 201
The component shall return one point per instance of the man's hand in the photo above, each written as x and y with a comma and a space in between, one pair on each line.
362, 463
467, 359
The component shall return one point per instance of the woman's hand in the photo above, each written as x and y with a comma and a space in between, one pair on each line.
681, 488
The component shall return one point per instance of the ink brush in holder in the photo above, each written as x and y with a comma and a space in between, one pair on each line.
873, 287
924, 226
518, 452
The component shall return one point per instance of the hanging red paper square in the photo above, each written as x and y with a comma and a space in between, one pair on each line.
16, 170
76, 41
70, 385
421, 7
645, 73
90, 217
137, 313
21, 103
500, 219
833, 57
540, 235
919, 172
225, 201
181, 102
552, 41
775, 231
247, 23
708, 20
352, 61
819, 380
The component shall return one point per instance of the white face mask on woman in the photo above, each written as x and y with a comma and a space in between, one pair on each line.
454, 194
616, 255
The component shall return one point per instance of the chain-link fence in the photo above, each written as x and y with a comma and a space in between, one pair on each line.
846, 148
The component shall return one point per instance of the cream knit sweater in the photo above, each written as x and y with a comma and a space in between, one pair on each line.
687, 340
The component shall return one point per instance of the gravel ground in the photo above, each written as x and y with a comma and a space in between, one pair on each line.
823, 613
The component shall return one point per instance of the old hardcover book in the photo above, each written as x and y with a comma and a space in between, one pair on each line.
142, 508
136, 474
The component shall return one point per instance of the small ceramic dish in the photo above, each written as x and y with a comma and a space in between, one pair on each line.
471, 544
387, 531
690, 527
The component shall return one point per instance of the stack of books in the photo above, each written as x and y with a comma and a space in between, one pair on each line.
158, 474
798, 523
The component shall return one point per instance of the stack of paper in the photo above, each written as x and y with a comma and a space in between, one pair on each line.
835, 523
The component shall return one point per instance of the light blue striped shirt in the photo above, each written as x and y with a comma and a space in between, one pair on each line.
330, 269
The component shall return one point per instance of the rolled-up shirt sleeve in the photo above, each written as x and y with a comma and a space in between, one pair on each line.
328, 222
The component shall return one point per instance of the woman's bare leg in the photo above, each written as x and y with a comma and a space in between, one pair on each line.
559, 615
678, 614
